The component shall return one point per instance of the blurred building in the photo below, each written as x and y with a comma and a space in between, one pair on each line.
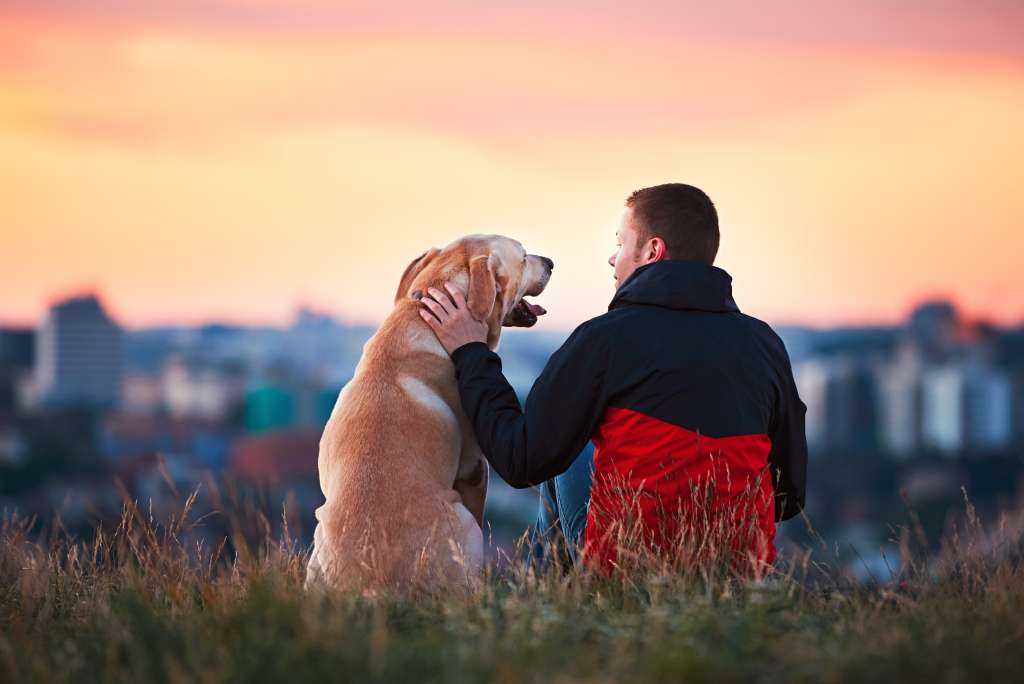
269, 407
812, 378
967, 406
1017, 406
78, 355
284, 459
13, 450
900, 404
202, 390
141, 393
17, 349
204, 442
278, 456
988, 419
839, 392
943, 409
933, 329
288, 403
319, 346
938, 384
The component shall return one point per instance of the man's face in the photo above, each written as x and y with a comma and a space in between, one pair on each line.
629, 255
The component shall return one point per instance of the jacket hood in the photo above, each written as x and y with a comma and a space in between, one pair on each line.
675, 284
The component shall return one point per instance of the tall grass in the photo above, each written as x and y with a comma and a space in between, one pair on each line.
149, 600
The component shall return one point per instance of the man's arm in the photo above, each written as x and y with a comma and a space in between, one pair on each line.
562, 410
788, 457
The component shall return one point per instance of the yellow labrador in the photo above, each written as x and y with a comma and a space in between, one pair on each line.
404, 479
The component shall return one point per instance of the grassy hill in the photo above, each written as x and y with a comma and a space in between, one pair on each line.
140, 603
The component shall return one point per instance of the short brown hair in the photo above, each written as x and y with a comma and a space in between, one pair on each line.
681, 215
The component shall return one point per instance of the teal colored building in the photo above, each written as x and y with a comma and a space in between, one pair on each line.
269, 407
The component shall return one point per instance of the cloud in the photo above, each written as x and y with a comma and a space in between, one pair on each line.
198, 159
978, 26
160, 87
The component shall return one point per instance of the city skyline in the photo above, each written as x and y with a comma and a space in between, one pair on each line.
292, 314
227, 161
936, 383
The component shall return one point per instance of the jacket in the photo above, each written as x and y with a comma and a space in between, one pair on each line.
690, 403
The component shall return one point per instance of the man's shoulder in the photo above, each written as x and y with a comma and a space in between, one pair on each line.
617, 322
598, 330
759, 326
766, 334
598, 326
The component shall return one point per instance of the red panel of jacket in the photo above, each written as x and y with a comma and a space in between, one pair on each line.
681, 487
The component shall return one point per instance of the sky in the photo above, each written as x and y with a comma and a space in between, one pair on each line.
231, 160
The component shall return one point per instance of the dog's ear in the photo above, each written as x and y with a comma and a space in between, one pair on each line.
413, 270
483, 288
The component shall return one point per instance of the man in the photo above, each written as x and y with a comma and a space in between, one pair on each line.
690, 404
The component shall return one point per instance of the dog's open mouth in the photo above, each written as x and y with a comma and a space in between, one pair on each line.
523, 314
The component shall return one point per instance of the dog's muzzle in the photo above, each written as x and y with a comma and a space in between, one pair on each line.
524, 314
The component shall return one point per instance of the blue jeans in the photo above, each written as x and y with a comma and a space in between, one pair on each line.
562, 511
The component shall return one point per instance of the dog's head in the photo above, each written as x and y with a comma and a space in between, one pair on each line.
494, 271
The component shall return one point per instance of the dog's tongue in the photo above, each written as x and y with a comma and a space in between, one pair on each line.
535, 309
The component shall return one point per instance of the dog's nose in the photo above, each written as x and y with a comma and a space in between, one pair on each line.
547, 262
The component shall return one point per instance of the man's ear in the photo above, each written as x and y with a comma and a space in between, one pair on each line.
413, 270
656, 250
483, 289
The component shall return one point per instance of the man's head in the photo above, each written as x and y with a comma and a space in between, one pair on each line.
670, 221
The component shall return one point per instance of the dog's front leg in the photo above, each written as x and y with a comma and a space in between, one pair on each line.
472, 487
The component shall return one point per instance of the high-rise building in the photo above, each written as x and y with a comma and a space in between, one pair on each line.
967, 405
1017, 407
988, 404
839, 392
934, 328
16, 347
943, 408
79, 354
899, 403
201, 390
812, 377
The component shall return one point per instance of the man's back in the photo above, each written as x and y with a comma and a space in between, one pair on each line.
695, 396
684, 397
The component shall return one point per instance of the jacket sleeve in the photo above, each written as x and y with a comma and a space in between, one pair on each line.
562, 409
788, 456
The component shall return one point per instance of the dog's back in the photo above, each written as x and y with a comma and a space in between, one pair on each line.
388, 458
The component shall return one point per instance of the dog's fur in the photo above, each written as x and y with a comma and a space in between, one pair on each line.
402, 474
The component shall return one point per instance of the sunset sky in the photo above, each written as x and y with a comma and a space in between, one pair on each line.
231, 159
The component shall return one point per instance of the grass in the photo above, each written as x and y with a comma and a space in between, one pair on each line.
145, 601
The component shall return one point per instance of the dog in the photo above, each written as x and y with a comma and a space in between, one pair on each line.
400, 469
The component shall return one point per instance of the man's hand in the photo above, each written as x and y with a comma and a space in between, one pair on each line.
450, 318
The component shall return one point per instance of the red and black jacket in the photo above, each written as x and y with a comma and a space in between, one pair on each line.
676, 388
